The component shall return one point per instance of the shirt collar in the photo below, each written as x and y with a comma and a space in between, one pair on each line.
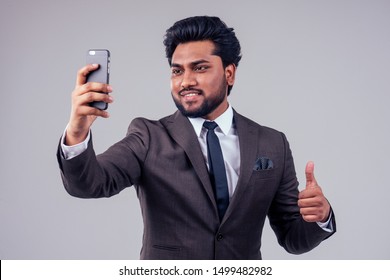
224, 122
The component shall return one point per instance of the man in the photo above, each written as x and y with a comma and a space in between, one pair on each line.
194, 206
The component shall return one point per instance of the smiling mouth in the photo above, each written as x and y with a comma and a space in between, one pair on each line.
190, 92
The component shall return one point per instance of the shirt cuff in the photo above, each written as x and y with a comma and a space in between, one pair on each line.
327, 226
70, 152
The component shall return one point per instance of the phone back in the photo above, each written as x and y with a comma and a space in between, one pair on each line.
102, 74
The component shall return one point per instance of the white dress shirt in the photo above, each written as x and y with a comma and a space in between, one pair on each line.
228, 139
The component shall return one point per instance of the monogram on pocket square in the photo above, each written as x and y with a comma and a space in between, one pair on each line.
263, 163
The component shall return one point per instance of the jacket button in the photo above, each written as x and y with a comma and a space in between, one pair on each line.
219, 237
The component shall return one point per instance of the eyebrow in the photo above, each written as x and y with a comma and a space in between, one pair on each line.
194, 63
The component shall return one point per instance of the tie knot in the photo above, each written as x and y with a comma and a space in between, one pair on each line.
210, 125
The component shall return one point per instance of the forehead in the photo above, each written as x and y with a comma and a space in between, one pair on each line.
194, 51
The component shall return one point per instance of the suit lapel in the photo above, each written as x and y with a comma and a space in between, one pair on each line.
183, 133
248, 139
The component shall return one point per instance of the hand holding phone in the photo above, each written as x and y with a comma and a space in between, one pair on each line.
102, 74
89, 100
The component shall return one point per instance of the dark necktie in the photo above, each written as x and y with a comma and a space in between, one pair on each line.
217, 169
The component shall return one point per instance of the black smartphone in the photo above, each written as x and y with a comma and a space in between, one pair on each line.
100, 75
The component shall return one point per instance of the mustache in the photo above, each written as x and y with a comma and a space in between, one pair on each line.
199, 91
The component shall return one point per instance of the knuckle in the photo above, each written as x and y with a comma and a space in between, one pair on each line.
91, 111
87, 86
89, 96
76, 91
78, 111
75, 102
81, 71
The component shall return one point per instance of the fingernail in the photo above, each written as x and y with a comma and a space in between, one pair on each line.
109, 88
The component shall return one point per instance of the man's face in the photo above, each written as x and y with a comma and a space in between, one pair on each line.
198, 80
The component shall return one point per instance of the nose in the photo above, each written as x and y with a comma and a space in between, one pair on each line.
189, 80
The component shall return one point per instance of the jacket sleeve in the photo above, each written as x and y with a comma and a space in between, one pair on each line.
294, 234
104, 175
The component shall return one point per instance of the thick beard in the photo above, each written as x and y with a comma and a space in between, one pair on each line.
208, 106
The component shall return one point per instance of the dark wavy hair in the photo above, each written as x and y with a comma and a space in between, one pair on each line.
201, 28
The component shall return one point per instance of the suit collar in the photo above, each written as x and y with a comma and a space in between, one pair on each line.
224, 122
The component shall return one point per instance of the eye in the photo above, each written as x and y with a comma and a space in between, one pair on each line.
201, 68
176, 71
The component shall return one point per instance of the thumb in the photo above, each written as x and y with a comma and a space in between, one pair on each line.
309, 171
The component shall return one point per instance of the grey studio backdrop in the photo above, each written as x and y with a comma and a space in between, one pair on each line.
316, 70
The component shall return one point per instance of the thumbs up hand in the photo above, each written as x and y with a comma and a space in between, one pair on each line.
314, 207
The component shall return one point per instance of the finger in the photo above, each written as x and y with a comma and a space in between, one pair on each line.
93, 87
83, 73
92, 96
310, 202
309, 171
91, 111
311, 218
314, 214
310, 192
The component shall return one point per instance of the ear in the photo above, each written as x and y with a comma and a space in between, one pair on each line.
230, 74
